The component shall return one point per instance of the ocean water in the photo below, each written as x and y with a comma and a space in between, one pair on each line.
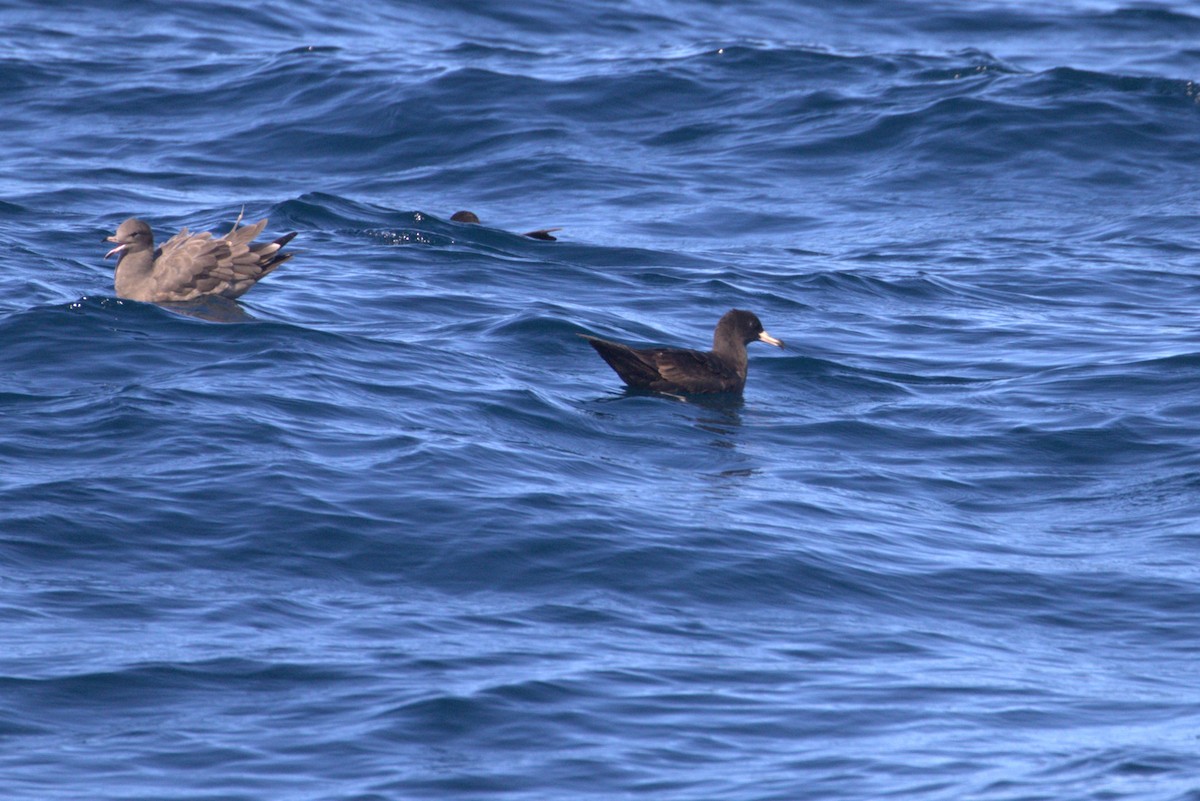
388, 529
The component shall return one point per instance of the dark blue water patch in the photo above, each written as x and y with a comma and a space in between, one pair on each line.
969, 131
1160, 20
47, 338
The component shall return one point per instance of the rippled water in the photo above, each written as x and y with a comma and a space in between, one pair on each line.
389, 529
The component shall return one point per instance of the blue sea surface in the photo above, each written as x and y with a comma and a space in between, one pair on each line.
386, 528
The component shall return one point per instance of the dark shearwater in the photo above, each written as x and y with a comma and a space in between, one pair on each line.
190, 266
473, 218
680, 370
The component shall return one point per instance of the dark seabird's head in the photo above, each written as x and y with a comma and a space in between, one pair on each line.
745, 326
132, 235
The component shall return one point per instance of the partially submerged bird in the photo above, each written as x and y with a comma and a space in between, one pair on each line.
190, 266
471, 217
680, 370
